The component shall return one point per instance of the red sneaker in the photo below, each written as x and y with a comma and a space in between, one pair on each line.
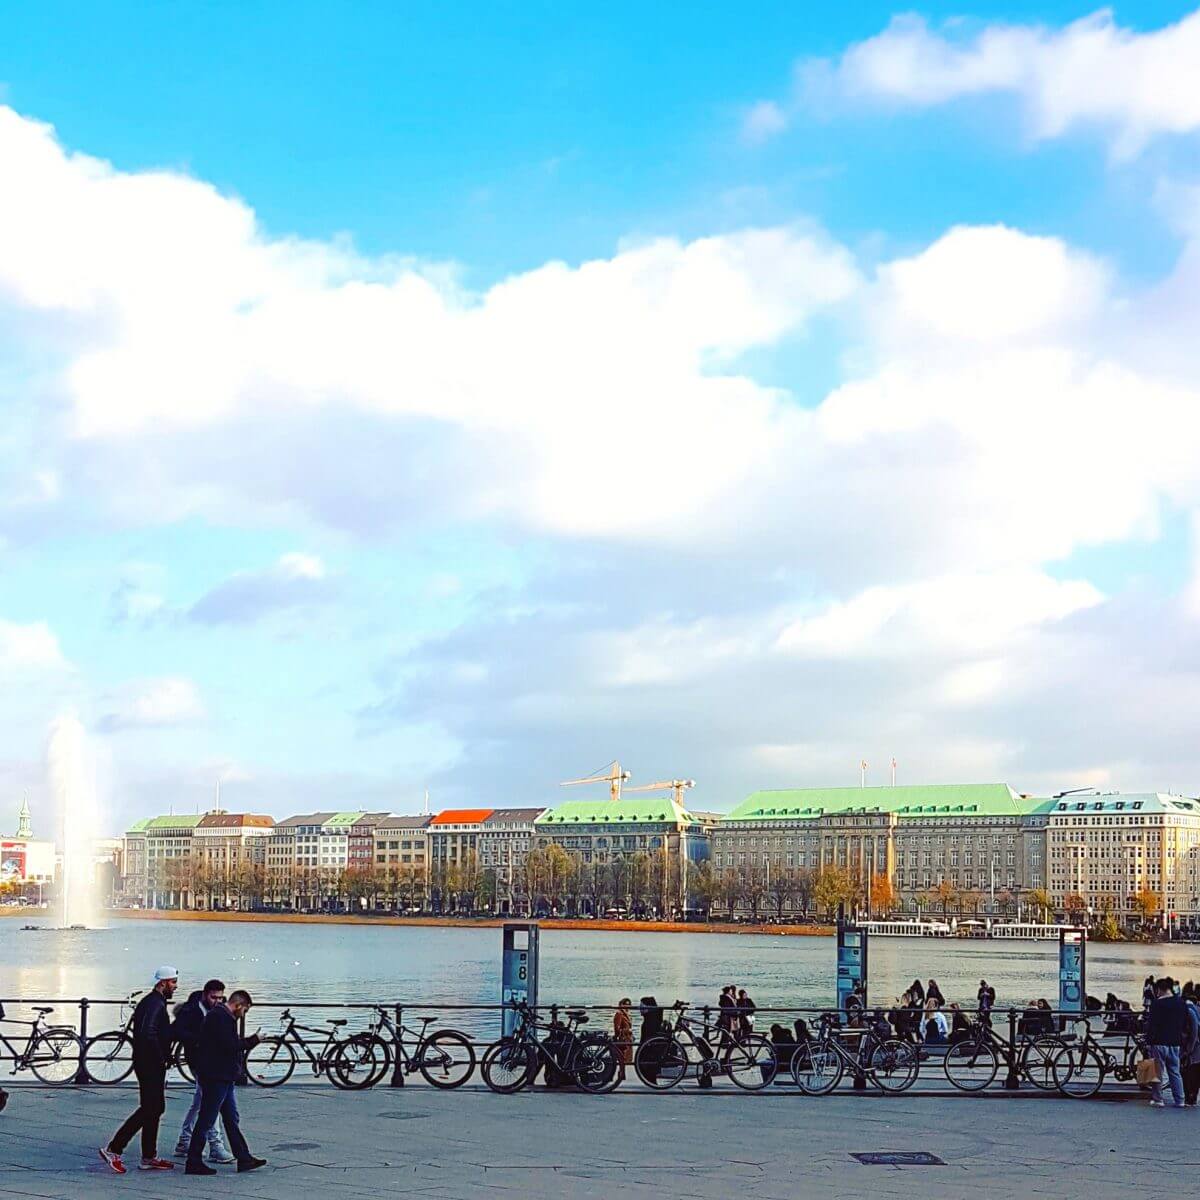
113, 1159
156, 1164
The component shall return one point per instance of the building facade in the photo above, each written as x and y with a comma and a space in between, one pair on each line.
169, 876
1110, 849
454, 836
985, 841
24, 858
360, 842
402, 843
229, 853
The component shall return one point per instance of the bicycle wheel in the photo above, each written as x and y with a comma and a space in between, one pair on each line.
817, 1070
55, 1055
597, 1067
508, 1065
752, 1063
971, 1066
660, 1063
181, 1065
361, 1061
1037, 1061
447, 1059
352, 1064
894, 1065
271, 1062
108, 1057
1079, 1071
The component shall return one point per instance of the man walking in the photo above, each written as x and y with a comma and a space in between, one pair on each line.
188, 1021
151, 1056
1166, 1024
219, 1053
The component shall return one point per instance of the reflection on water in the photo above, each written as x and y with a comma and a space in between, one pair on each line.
422, 964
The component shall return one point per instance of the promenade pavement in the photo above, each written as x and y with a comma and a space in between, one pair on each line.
687, 1143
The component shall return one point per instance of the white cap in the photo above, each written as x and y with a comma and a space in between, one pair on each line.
165, 973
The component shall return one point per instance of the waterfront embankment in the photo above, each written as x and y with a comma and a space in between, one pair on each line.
287, 918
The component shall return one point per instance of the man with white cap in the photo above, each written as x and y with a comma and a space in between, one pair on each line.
151, 1057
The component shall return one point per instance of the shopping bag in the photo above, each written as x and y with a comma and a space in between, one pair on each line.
1147, 1072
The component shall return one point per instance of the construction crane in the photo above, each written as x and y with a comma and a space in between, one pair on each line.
612, 775
676, 787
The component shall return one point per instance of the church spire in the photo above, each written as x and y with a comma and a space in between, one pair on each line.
24, 822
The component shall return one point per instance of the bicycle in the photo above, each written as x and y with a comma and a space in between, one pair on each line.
52, 1052
889, 1063
445, 1059
972, 1064
666, 1059
349, 1064
588, 1060
1080, 1069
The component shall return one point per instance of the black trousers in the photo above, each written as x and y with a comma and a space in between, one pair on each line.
1191, 1083
152, 1103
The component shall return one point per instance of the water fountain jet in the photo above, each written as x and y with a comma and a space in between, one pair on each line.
72, 772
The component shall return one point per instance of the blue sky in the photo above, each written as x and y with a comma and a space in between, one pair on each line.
459, 398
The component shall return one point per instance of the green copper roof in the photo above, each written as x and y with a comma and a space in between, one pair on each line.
934, 800
616, 812
184, 821
139, 826
345, 818
1131, 804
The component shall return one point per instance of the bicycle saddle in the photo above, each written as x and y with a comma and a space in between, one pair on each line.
577, 1015
43, 1010
338, 1020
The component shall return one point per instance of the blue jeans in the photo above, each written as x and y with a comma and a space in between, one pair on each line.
1168, 1065
218, 1097
215, 1141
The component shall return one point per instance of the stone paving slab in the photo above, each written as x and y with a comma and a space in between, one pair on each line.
688, 1144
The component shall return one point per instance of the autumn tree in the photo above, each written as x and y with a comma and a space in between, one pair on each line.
1075, 906
883, 894
943, 895
1040, 901
1146, 904
834, 888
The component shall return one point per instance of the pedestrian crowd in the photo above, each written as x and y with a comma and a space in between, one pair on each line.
207, 1026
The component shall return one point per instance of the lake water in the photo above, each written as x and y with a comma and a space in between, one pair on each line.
280, 963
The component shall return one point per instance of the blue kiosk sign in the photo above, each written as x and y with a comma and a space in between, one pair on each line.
1072, 970
851, 964
519, 970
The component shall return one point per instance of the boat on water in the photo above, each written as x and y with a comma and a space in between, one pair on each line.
1012, 930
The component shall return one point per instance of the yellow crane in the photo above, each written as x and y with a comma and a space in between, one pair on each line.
676, 787
612, 775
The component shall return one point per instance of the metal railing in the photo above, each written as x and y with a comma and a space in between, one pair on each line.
1010, 1032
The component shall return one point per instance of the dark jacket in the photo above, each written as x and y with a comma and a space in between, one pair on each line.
1167, 1021
151, 1032
188, 1023
219, 1048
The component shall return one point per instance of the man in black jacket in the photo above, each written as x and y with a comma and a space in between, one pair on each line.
189, 1017
151, 1057
220, 1050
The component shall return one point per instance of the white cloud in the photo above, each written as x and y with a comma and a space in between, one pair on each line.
763, 121
178, 315
1004, 402
967, 614
30, 647
1092, 73
152, 703
296, 580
